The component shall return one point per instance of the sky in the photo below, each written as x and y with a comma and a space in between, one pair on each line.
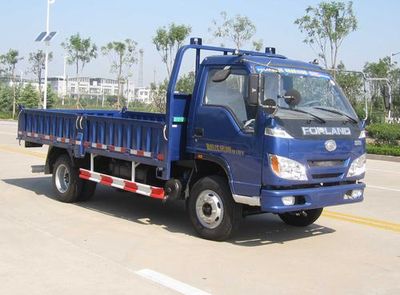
378, 33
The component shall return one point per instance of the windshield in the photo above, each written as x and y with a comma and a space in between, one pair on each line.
313, 92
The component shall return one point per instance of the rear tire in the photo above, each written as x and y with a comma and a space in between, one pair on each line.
212, 210
66, 181
301, 218
68, 186
88, 190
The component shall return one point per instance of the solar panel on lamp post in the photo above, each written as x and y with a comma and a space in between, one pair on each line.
46, 37
391, 56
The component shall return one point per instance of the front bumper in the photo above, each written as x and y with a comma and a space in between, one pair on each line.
271, 200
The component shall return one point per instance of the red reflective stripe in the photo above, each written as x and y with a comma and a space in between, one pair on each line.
160, 157
63, 140
123, 150
111, 148
106, 180
140, 153
130, 186
157, 192
99, 145
86, 144
84, 174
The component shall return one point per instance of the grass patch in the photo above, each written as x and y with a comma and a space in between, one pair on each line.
7, 116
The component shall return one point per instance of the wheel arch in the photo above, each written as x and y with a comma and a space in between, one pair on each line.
211, 166
53, 154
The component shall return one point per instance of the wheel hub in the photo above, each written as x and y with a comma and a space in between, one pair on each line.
209, 209
62, 178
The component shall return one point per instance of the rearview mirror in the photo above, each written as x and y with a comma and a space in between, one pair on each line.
221, 75
270, 106
254, 83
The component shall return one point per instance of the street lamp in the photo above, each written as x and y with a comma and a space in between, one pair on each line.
46, 38
391, 56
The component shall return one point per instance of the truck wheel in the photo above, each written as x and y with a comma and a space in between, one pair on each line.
301, 218
212, 211
87, 191
66, 181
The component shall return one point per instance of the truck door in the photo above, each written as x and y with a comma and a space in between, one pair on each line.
223, 129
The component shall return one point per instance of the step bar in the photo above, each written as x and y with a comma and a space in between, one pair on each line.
130, 186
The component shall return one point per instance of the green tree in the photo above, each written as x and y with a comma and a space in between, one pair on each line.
258, 44
80, 52
29, 97
10, 60
383, 69
238, 29
159, 96
186, 83
325, 27
6, 99
37, 61
52, 97
352, 85
168, 41
123, 57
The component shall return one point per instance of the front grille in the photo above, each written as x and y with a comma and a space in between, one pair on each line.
326, 175
325, 163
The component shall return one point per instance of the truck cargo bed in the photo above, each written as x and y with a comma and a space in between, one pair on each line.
133, 136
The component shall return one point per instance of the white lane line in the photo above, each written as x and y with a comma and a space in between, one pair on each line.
169, 282
383, 188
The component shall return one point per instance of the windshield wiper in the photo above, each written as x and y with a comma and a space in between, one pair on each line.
305, 112
338, 113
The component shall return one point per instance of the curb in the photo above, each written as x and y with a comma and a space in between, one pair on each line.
383, 158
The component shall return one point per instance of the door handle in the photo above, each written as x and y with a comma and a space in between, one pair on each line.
198, 132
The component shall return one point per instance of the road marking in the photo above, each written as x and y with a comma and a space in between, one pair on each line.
383, 188
363, 220
169, 282
17, 150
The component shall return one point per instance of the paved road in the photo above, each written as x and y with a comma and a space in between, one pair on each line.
121, 244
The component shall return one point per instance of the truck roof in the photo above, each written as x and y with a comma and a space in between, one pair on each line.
270, 60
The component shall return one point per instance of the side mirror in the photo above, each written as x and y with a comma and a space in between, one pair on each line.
254, 84
270, 106
221, 75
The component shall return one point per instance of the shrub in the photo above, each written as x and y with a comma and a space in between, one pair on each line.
384, 133
388, 150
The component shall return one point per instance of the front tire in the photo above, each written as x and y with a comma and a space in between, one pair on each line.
213, 212
301, 218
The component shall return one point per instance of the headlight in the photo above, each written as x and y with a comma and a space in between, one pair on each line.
277, 132
287, 168
357, 167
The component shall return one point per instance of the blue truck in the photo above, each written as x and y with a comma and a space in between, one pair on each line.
260, 134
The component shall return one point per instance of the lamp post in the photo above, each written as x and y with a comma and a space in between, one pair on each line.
46, 59
391, 56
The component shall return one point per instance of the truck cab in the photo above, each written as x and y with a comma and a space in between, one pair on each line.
283, 132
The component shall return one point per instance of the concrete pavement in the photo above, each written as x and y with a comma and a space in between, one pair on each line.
102, 246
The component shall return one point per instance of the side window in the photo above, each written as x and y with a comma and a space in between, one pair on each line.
230, 93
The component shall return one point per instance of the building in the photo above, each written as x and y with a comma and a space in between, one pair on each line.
142, 94
19, 81
94, 88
